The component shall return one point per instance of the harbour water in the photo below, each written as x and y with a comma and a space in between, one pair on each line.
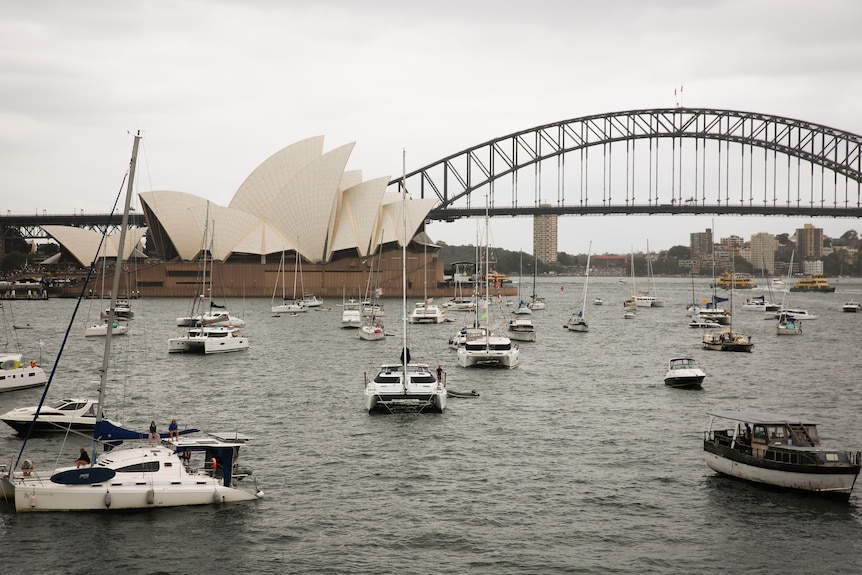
580, 460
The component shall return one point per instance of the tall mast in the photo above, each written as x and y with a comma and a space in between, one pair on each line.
118, 269
404, 351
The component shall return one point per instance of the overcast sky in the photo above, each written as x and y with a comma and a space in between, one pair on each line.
219, 86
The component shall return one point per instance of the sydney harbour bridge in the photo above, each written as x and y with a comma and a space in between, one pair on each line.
656, 161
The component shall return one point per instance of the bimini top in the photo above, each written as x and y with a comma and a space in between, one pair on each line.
754, 416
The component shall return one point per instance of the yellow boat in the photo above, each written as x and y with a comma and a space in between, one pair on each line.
736, 281
816, 283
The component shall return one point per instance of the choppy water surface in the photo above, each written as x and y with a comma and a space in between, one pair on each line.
579, 461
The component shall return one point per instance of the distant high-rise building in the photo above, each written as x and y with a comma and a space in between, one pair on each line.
809, 242
545, 236
763, 247
701, 244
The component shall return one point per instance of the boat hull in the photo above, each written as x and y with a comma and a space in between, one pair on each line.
685, 381
22, 377
839, 482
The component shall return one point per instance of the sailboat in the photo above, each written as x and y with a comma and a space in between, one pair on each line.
521, 326
100, 328
204, 311
141, 476
286, 306
536, 302
426, 311
726, 339
578, 322
15, 372
656, 302
372, 324
482, 346
630, 304
405, 386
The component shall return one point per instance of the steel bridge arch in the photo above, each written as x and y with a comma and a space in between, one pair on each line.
455, 177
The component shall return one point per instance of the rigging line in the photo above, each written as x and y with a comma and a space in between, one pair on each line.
69, 326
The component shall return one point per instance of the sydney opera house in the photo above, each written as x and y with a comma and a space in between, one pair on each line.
300, 206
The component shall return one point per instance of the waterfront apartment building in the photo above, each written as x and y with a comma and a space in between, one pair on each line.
809, 243
701, 244
545, 236
763, 248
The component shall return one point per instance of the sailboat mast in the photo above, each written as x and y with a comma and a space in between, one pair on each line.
118, 269
587, 279
404, 351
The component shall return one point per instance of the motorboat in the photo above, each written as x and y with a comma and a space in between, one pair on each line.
420, 391
777, 450
598, 301
122, 310
814, 283
759, 303
521, 328
716, 315
727, 340
70, 413
795, 312
684, 372
850, 307
209, 340
703, 323
310, 301
788, 325
460, 303
16, 374
101, 329
426, 312
351, 314
629, 313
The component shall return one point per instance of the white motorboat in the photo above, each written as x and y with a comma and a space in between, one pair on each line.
703, 323
426, 312
799, 314
460, 303
127, 477
351, 314
850, 307
521, 328
311, 301
122, 310
788, 325
684, 372
777, 450
101, 329
16, 374
208, 340
760, 303
598, 301
69, 413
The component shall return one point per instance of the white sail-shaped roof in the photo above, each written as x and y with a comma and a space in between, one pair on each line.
357, 218
83, 244
272, 178
181, 216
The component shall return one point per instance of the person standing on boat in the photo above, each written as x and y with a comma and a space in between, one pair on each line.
439, 373
83, 458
